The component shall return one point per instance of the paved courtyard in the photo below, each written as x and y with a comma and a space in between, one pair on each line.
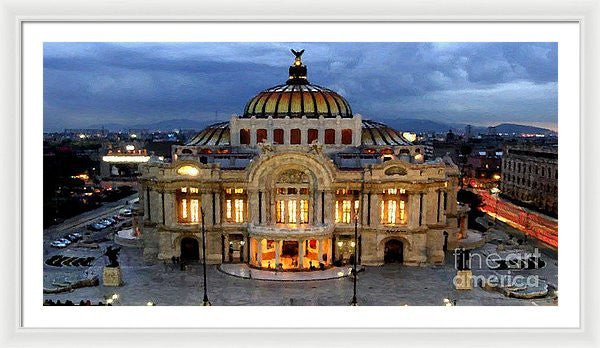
166, 284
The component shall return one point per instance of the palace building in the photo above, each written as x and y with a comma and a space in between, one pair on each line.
286, 182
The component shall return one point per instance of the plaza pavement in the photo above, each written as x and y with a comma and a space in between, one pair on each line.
165, 284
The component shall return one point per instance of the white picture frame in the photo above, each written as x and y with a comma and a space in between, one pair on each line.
16, 14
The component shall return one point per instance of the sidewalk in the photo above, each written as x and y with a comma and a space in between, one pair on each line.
242, 270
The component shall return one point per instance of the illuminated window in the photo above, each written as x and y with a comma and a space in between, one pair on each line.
393, 207
188, 205
402, 215
304, 211
239, 210
280, 207
346, 211
391, 218
292, 212
188, 170
235, 202
337, 211
194, 211
184, 209
228, 209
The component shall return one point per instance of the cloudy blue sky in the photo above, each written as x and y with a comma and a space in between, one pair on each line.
137, 83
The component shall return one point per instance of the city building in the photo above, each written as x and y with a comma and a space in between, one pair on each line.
530, 175
285, 182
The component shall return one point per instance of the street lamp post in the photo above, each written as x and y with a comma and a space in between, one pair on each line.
354, 302
205, 301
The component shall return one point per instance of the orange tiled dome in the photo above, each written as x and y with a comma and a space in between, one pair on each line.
297, 98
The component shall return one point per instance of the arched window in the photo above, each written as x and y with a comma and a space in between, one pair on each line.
244, 136
330, 136
188, 205
313, 134
261, 135
278, 136
346, 136
295, 136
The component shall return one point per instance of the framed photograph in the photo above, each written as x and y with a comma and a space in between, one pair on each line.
363, 176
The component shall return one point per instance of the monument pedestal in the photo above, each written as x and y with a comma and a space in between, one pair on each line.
112, 276
463, 280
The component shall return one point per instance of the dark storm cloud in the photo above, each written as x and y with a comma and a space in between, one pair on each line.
132, 83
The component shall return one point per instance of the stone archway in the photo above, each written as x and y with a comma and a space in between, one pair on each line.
393, 251
190, 249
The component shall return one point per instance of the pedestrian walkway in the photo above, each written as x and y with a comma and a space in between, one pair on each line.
242, 270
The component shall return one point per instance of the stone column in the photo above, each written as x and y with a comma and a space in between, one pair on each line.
277, 252
320, 249
170, 208
259, 253
253, 206
329, 207
206, 206
413, 210
375, 209
301, 253
330, 253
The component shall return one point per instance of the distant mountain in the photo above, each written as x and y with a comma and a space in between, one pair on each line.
511, 128
429, 126
165, 125
420, 125
402, 124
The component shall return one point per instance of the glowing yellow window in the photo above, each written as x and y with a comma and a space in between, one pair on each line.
391, 218
280, 211
337, 211
193, 190
194, 210
184, 209
184, 189
292, 212
382, 212
346, 211
239, 210
402, 214
304, 211
188, 170
228, 209
239, 190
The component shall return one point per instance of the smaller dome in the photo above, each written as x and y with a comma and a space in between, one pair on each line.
214, 135
379, 134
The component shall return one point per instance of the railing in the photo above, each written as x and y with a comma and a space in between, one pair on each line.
290, 230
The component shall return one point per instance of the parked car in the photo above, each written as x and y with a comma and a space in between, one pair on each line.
96, 226
111, 220
73, 237
118, 217
125, 212
58, 244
